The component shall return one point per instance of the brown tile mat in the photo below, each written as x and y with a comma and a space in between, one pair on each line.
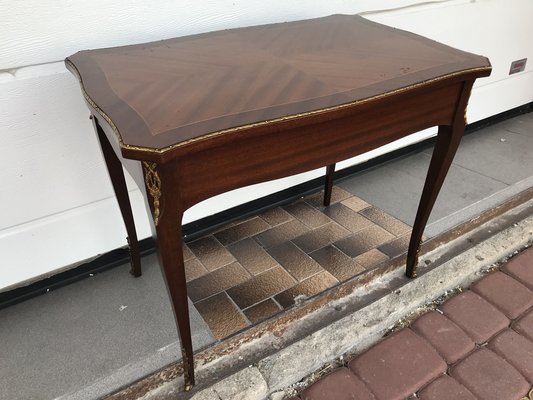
251, 270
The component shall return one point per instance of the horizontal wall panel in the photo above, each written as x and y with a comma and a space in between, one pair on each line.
41, 31
39, 249
51, 160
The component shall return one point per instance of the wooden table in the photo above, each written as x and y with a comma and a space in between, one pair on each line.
208, 113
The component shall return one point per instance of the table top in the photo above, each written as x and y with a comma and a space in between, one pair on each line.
162, 95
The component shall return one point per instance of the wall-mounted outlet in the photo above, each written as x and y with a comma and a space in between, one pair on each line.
518, 66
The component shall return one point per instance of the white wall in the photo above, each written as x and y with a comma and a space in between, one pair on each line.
57, 205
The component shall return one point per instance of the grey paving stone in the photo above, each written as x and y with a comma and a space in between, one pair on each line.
396, 188
498, 153
77, 335
522, 124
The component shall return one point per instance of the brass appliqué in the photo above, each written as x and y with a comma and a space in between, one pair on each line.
129, 249
153, 184
415, 266
466, 110
188, 382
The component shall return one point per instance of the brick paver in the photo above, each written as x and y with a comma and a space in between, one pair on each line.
524, 325
398, 366
504, 292
490, 377
521, 268
448, 339
516, 350
475, 315
445, 387
437, 357
341, 384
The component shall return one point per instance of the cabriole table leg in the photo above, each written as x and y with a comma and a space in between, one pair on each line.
328, 186
116, 173
448, 140
167, 217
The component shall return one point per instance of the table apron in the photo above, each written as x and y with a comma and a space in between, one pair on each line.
241, 159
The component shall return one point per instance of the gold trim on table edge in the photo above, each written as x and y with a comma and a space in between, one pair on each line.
262, 123
187, 382
153, 184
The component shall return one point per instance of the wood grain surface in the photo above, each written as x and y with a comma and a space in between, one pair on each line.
172, 92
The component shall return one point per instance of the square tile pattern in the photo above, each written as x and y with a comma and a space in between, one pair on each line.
250, 270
